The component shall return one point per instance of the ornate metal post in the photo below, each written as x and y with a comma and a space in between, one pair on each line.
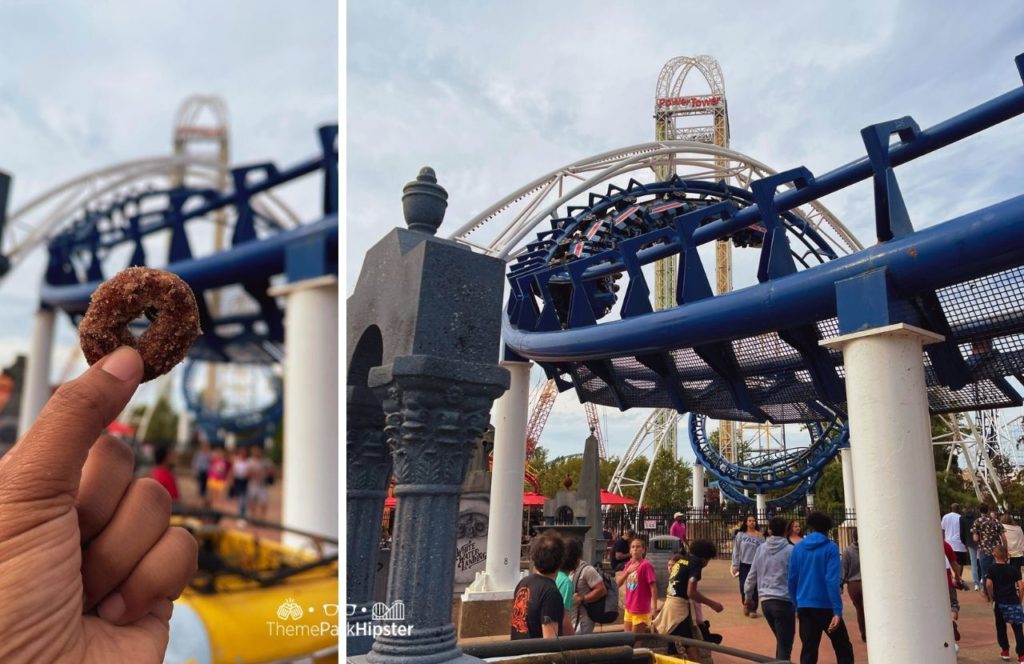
369, 469
436, 409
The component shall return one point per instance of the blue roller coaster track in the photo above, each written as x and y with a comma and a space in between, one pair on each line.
81, 257
753, 354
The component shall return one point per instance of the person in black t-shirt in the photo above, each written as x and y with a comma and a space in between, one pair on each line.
620, 552
537, 608
677, 615
1004, 587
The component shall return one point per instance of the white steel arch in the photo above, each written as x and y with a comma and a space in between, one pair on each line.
34, 222
512, 219
673, 75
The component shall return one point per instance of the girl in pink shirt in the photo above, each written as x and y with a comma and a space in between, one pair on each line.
641, 589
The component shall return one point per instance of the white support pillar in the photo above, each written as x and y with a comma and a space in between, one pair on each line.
184, 432
762, 508
505, 529
849, 493
310, 473
901, 564
697, 500
36, 392
810, 501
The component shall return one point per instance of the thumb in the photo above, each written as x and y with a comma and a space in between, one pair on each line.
48, 461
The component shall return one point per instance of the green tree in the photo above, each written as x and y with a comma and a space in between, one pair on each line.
670, 486
163, 425
828, 492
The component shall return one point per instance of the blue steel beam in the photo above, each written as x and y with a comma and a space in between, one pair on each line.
239, 264
974, 245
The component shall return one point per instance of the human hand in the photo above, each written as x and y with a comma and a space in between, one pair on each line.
834, 625
88, 564
716, 606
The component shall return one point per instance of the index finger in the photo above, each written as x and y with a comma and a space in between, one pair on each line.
52, 453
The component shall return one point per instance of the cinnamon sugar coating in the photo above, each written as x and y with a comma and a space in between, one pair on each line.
137, 291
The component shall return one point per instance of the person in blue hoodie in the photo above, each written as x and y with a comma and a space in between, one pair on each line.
814, 585
769, 579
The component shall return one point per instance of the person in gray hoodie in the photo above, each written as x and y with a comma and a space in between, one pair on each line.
769, 579
850, 577
744, 546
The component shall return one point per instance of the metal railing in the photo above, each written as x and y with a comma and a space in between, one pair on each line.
605, 647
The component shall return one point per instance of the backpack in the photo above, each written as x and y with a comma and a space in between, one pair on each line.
605, 610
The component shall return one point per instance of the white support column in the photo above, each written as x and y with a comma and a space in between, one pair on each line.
184, 433
849, 493
810, 501
36, 392
697, 500
762, 508
901, 564
310, 474
505, 529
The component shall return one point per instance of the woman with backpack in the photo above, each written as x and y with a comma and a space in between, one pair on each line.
587, 585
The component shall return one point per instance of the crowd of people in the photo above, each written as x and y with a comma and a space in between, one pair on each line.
993, 548
796, 577
794, 573
243, 475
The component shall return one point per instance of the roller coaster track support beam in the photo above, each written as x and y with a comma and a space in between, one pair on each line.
697, 500
310, 483
894, 479
37, 382
849, 492
762, 507
505, 520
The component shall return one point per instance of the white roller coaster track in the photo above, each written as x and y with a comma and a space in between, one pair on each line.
519, 213
33, 223
653, 433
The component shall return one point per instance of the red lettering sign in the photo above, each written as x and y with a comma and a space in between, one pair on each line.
697, 101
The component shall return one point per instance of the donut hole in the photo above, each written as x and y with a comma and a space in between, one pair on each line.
143, 321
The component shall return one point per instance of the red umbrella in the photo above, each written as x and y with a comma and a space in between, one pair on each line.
532, 499
609, 498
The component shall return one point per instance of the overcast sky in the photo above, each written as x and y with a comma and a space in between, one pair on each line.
493, 95
89, 85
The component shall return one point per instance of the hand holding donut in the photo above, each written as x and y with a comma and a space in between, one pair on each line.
88, 564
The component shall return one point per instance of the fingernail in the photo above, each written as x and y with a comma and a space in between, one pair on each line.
112, 608
123, 364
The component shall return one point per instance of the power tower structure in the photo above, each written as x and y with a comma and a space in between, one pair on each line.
201, 128
683, 117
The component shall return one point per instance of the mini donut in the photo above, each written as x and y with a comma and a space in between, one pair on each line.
162, 297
